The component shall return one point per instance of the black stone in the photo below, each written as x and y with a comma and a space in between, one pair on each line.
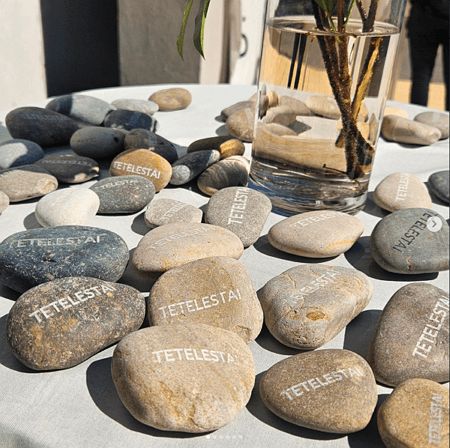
129, 120
144, 139
439, 185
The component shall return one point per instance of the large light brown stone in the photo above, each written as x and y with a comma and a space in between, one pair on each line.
172, 99
402, 130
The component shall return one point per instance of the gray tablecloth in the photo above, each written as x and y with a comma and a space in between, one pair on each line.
79, 407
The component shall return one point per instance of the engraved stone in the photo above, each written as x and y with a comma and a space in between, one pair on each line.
185, 377
19, 152
403, 130
63, 322
144, 106
439, 185
240, 124
128, 120
192, 165
4, 202
439, 120
97, 143
172, 99
167, 211
227, 146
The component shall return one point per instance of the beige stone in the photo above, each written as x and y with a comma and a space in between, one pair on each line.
326, 106
4, 202
237, 107
299, 107
402, 130
240, 124
172, 99
283, 115
167, 211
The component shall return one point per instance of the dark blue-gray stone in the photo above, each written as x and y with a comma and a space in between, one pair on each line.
123, 194
144, 139
411, 241
192, 165
40, 255
439, 185
19, 152
129, 120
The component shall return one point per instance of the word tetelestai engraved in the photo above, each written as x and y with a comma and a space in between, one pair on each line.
192, 354
402, 191
137, 169
436, 419
237, 212
69, 241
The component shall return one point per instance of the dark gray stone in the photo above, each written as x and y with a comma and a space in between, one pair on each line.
123, 194
129, 120
63, 322
40, 255
411, 241
19, 152
439, 185
192, 165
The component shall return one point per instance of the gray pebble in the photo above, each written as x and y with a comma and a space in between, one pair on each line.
144, 106
241, 124
97, 142
402, 130
145, 139
439, 120
19, 152
168, 211
192, 165
439, 185
129, 120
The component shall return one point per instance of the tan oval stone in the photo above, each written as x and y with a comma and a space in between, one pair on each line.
283, 115
439, 120
145, 163
241, 124
326, 106
4, 202
277, 129
402, 130
299, 107
227, 146
166, 211
184, 377
172, 99
238, 107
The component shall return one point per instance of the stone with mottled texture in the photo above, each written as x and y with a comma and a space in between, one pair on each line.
241, 124
439, 185
237, 107
439, 120
4, 202
19, 152
192, 165
168, 211
129, 120
403, 130
144, 106
172, 99
227, 146
97, 143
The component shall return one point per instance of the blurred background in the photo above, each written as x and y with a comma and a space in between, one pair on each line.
53, 47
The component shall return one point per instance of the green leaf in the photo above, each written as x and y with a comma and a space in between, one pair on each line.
199, 31
186, 14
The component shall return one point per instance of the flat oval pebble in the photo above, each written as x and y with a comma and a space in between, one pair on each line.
144, 106
403, 130
124, 194
241, 210
70, 169
439, 185
412, 338
230, 172
172, 99
326, 390
323, 106
399, 191
192, 165
319, 234
26, 182
36, 256
145, 163
237, 107
297, 106
411, 241
97, 143
128, 120
187, 377
173, 245
18, 152
415, 415
81, 107
4, 202
42, 126
241, 124
439, 120
283, 115
71, 206
217, 291
227, 146
62, 323
307, 306
167, 211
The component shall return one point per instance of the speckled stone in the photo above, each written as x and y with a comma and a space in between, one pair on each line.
415, 415
42, 126
81, 107
173, 245
439, 185
172, 377
26, 182
403, 130
129, 120
227, 146
237, 107
124, 194
172, 99
230, 172
222, 296
241, 124
411, 340
144, 106
400, 191
439, 120
4, 202
19, 152
62, 323
326, 390
412, 241
192, 165
168, 211
307, 306
297, 106
70, 169
319, 234
241, 210
71, 206
145, 163
97, 143
36, 256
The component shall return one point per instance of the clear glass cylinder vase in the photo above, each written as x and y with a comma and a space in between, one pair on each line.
325, 75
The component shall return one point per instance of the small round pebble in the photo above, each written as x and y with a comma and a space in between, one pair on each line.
4, 202
439, 120
172, 99
97, 143
402, 130
192, 165
167, 211
18, 152
439, 185
128, 120
144, 106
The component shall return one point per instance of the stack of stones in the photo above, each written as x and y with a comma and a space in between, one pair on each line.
73, 304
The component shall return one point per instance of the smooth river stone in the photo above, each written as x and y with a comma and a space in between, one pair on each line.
400, 191
241, 124
64, 322
237, 107
144, 106
222, 296
42, 126
122, 195
227, 146
416, 414
403, 130
192, 165
97, 143
297, 106
412, 241
241, 210
326, 106
4, 202
307, 306
283, 115
411, 340
326, 390
26, 182
70, 169
145, 163
439, 185
68, 207
439, 120
81, 107
184, 377
230, 172
167, 211
37, 256
129, 120
19, 152
173, 245
172, 99
319, 234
